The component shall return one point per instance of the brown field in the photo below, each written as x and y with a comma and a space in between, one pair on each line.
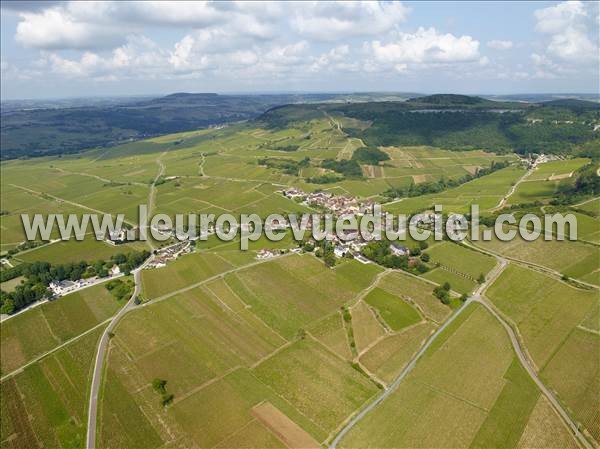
367, 328
293, 436
472, 169
419, 179
545, 429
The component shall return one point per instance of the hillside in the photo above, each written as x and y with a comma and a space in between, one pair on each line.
460, 122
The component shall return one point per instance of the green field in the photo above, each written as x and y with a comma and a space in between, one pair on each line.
183, 272
416, 291
592, 206
293, 291
396, 313
46, 404
573, 371
547, 313
366, 327
573, 258
227, 345
459, 282
468, 390
486, 191
461, 260
321, 387
332, 332
534, 302
32, 333
387, 358
557, 168
89, 250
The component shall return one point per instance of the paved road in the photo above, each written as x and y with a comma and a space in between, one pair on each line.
99, 363
533, 374
504, 199
390, 389
408, 368
523, 359
104, 340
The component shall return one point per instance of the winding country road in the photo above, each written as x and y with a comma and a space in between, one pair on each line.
99, 362
479, 298
410, 366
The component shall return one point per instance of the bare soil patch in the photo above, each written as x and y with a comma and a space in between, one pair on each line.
292, 435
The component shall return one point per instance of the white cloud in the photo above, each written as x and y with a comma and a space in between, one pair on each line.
330, 21
93, 25
555, 19
500, 45
54, 29
426, 46
572, 27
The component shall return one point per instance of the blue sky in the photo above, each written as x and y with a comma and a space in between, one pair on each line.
72, 49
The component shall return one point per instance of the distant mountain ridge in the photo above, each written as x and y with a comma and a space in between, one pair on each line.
63, 130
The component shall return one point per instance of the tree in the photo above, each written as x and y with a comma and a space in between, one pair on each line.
8, 307
159, 385
464, 297
446, 286
481, 278
329, 259
425, 257
423, 245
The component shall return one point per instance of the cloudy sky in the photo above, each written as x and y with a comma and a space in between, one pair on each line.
71, 49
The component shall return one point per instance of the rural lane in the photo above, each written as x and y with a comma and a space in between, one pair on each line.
99, 362
104, 340
408, 368
533, 374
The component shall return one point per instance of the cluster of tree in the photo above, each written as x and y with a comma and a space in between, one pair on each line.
288, 166
349, 168
160, 386
25, 246
443, 184
23, 295
587, 183
325, 251
380, 253
120, 289
38, 276
370, 155
324, 179
286, 148
463, 123
442, 292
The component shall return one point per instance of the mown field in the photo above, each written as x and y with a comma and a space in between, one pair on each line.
548, 314
469, 390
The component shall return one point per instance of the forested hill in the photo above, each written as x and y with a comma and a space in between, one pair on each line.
60, 130
462, 123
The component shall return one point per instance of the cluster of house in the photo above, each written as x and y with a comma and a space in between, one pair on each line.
336, 204
168, 253
60, 288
